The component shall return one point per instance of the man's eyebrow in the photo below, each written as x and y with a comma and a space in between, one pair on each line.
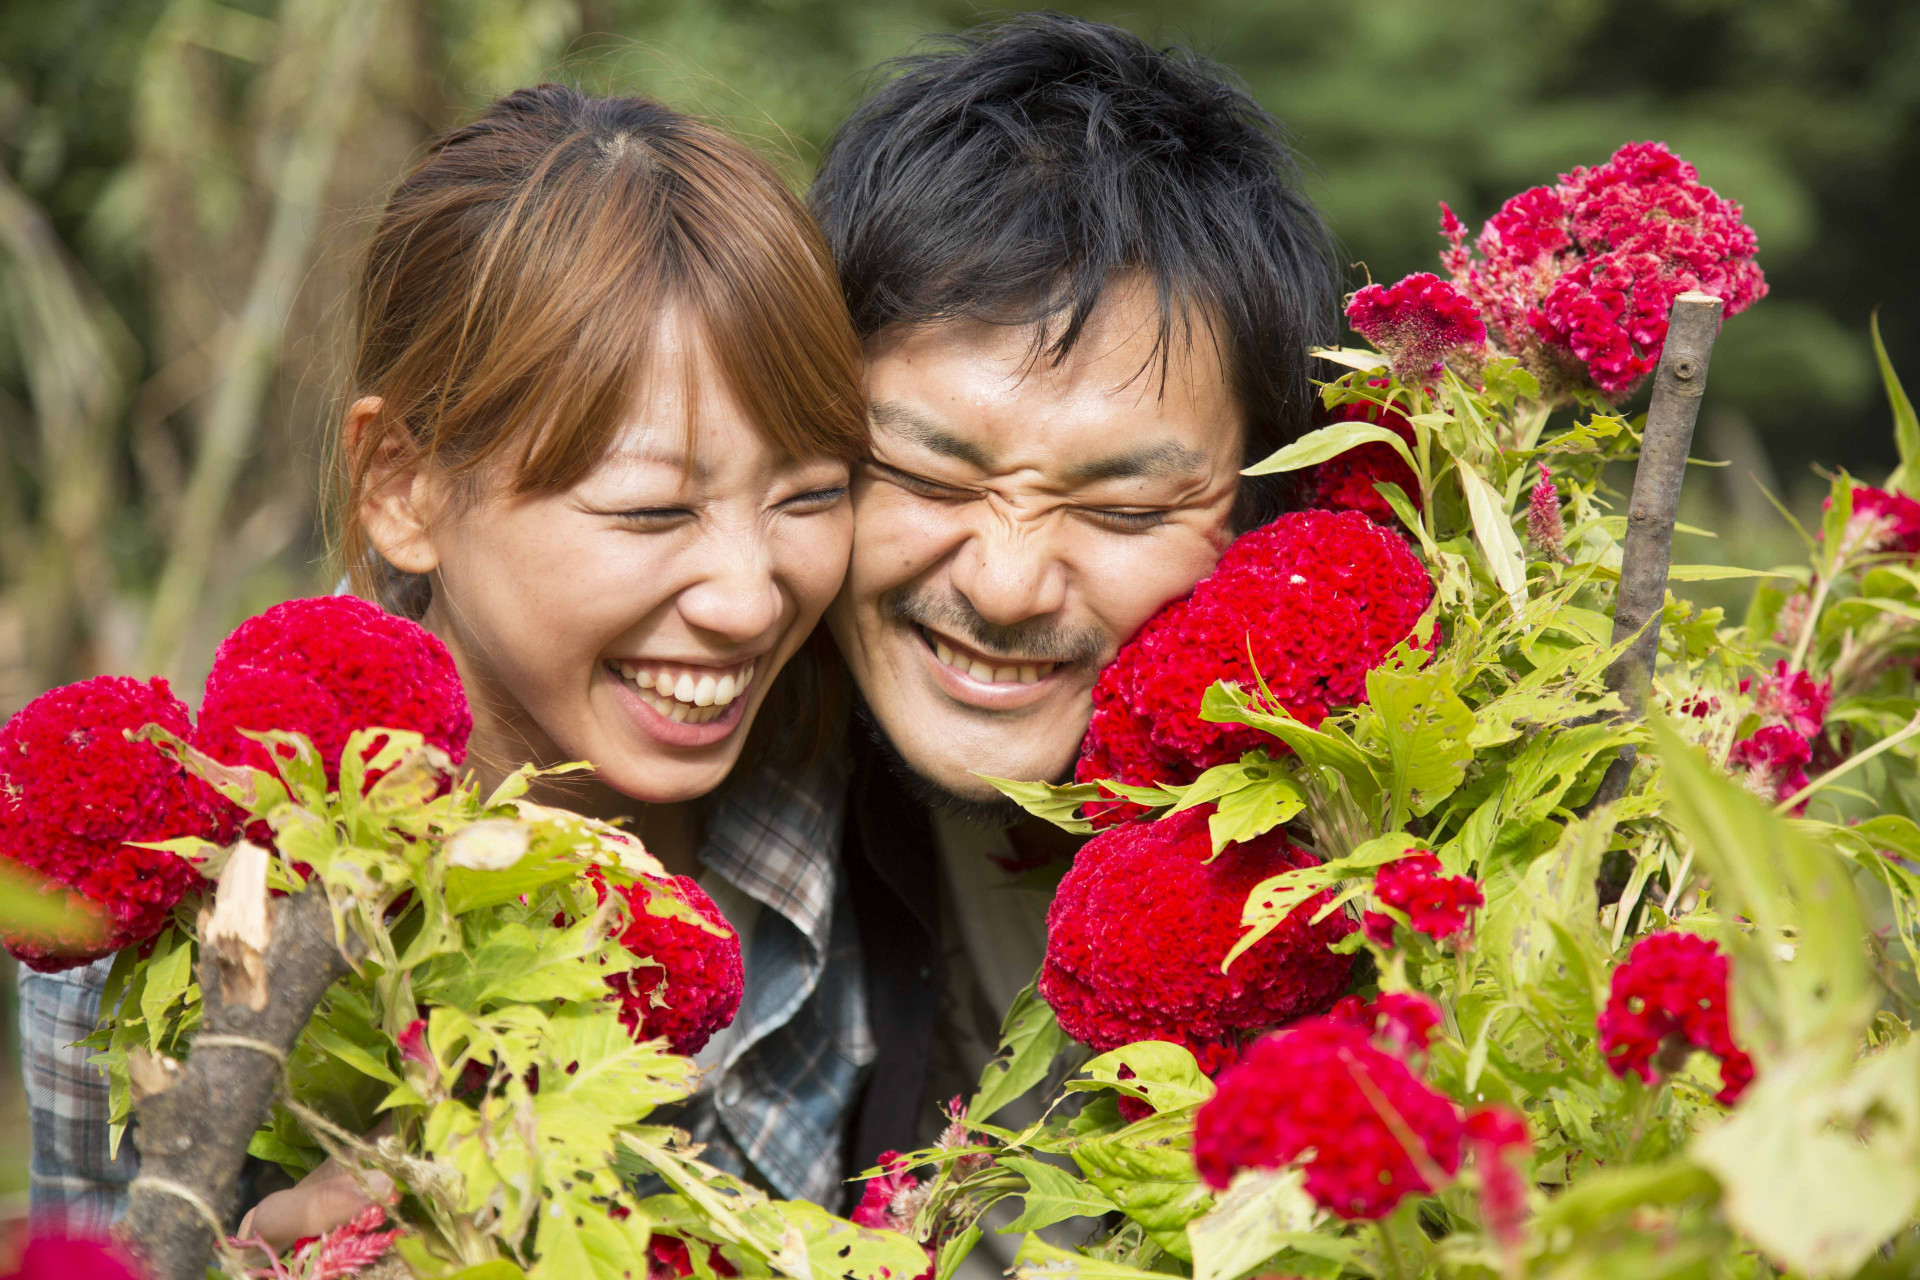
929, 433
1166, 458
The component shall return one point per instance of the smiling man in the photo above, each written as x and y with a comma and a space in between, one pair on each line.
1087, 281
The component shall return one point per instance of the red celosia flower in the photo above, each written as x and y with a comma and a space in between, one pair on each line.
1318, 597
1578, 278
1671, 996
1140, 924
1400, 1022
1544, 527
351, 1248
1367, 1131
1497, 1138
669, 1258
1438, 906
888, 1202
692, 986
1417, 323
413, 1043
1881, 522
1345, 482
1775, 759
1791, 698
325, 667
74, 790
54, 1255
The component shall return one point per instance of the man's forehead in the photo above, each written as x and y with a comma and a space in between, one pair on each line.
1108, 459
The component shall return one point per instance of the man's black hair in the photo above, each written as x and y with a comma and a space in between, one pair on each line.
1008, 173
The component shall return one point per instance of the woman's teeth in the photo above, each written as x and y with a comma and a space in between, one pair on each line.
685, 697
1025, 673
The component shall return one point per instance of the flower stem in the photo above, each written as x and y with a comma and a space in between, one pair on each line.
1396, 1266
1820, 589
1847, 766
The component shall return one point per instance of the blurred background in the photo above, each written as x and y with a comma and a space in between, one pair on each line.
184, 185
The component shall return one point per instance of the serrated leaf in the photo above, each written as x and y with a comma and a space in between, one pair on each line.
1059, 805
1906, 424
168, 974
1254, 810
1494, 532
1151, 1181
1164, 1075
1317, 446
1052, 1195
1425, 731
1250, 1222
1030, 1039
1038, 1260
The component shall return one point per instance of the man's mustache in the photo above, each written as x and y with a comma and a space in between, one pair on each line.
1035, 641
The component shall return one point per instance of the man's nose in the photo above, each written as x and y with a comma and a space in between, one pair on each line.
1010, 570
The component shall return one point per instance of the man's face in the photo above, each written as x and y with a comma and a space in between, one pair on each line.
1019, 522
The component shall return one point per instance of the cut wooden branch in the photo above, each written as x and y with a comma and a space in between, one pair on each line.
1678, 384
197, 1118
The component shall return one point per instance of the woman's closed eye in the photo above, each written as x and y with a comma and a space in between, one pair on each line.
817, 499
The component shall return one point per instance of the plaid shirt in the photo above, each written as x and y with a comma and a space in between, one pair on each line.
775, 1109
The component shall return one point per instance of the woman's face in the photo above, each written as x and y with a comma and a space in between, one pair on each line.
636, 620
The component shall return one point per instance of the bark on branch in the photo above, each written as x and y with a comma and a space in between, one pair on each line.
1678, 385
194, 1133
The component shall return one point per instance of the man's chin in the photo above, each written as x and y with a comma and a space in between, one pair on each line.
948, 786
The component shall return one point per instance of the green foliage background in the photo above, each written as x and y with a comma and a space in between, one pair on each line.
144, 157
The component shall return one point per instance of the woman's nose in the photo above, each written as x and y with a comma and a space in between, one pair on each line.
736, 597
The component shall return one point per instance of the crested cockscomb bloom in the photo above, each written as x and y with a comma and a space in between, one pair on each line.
891, 1200
76, 791
325, 667
1346, 481
1307, 605
1417, 324
1498, 1142
1791, 698
1140, 924
1439, 906
1545, 530
1367, 1131
1668, 998
350, 1248
1576, 279
692, 982
1775, 760
1882, 522
1401, 1022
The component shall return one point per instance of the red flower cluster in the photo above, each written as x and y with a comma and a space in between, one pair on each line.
325, 667
75, 790
1438, 906
54, 1255
1545, 529
1579, 276
1325, 1095
1669, 997
1402, 1022
669, 1257
1318, 597
1140, 924
1882, 522
1791, 698
1345, 482
887, 1203
345, 1251
1775, 759
1417, 323
1497, 1138
692, 986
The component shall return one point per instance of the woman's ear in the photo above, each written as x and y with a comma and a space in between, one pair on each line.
395, 504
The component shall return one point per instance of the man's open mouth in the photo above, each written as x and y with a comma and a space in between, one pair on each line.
987, 668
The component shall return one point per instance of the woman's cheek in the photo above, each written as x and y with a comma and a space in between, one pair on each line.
814, 553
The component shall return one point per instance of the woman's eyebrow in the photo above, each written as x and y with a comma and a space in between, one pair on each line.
659, 455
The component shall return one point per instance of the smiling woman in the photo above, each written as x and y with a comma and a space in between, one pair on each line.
603, 413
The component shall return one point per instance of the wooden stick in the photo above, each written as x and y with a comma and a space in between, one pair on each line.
196, 1121
1678, 385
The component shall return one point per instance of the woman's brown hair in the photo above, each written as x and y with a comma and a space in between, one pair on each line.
516, 277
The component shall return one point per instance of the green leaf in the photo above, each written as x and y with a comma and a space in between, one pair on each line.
1822, 1165
470, 889
1030, 1039
1493, 530
169, 973
1254, 810
1250, 1222
837, 1249
1271, 901
1052, 1195
1906, 424
1164, 1075
1038, 1260
1059, 805
359, 1057
1149, 1180
1352, 357
580, 1240
1425, 729
1317, 446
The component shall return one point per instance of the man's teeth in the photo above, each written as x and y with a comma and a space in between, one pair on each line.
1024, 673
682, 696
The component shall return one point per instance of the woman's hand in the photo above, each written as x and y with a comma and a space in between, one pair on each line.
326, 1198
